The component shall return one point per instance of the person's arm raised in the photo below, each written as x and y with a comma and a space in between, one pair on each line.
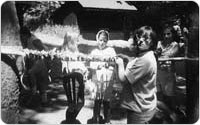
121, 70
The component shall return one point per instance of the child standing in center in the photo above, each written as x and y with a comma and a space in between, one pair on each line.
102, 76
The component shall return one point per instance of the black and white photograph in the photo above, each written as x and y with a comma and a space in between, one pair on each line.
99, 62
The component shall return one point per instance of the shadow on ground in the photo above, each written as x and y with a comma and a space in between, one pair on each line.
31, 104
31, 109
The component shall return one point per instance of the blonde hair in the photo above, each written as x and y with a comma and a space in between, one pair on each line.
70, 42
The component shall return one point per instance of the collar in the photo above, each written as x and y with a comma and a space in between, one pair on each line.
141, 53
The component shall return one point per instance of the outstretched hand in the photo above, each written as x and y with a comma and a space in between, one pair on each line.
119, 61
125, 58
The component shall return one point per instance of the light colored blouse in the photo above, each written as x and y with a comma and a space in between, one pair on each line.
103, 73
168, 51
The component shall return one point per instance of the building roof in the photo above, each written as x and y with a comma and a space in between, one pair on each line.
107, 4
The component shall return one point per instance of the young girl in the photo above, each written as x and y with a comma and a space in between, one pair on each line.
166, 73
102, 77
168, 47
73, 80
139, 79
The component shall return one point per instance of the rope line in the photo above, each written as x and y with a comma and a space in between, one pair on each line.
69, 56
66, 56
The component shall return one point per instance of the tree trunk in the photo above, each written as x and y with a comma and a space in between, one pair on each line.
192, 67
9, 82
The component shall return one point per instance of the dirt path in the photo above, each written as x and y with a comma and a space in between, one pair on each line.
54, 113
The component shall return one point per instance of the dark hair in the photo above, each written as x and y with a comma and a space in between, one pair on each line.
70, 39
146, 31
103, 32
173, 31
25, 34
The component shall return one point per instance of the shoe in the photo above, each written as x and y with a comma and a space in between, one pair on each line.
90, 121
93, 120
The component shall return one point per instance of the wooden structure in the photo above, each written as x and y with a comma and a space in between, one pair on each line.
91, 16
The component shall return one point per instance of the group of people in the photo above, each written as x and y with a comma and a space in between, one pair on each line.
147, 83
143, 79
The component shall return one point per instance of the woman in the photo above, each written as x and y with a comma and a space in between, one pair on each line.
168, 47
139, 79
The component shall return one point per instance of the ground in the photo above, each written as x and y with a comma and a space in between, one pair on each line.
54, 112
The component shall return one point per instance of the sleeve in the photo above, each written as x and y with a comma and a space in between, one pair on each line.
137, 71
159, 45
174, 49
112, 52
94, 52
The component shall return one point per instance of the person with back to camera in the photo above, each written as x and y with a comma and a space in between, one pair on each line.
103, 78
73, 78
139, 79
166, 73
35, 75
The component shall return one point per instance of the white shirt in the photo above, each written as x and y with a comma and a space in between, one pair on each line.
107, 52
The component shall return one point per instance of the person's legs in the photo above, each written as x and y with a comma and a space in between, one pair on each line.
67, 88
96, 111
170, 102
161, 105
170, 95
33, 81
72, 112
69, 115
79, 87
42, 86
107, 111
39, 79
74, 88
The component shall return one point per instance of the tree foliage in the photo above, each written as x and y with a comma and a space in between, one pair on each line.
36, 13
